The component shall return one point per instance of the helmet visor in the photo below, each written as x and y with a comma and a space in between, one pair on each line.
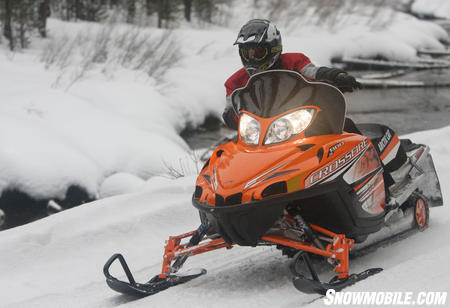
257, 53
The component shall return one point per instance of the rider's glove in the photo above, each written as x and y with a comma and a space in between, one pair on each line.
339, 78
230, 118
346, 82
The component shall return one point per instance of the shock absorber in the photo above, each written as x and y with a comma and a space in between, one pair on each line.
310, 234
195, 239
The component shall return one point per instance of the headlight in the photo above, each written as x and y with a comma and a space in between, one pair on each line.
289, 125
249, 129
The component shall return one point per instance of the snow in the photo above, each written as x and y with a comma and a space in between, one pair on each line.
115, 132
120, 183
57, 261
435, 8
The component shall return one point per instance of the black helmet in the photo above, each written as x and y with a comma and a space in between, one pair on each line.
259, 45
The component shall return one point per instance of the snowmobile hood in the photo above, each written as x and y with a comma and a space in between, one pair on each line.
236, 175
239, 169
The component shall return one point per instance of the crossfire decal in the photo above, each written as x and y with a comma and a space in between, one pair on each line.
337, 164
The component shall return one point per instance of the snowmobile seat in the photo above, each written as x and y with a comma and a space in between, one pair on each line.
408, 145
391, 150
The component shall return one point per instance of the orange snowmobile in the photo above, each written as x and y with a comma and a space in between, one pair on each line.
294, 179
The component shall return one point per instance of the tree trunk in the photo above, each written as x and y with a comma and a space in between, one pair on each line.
7, 29
160, 12
167, 12
148, 7
78, 10
21, 19
131, 10
44, 13
68, 9
187, 9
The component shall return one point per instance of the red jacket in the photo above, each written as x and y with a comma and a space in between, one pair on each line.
288, 61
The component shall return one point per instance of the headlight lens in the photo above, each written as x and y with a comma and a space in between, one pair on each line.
249, 129
289, 125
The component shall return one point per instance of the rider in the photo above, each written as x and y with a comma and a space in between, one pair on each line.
260, 48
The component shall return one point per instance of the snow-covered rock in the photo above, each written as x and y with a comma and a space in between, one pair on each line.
120, 183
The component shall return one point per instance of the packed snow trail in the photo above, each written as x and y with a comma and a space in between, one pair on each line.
58, 261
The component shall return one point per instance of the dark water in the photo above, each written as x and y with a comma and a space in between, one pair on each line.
404, 109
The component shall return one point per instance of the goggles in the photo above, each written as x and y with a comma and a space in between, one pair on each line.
253, 53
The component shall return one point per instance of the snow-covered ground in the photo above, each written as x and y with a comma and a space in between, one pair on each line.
117, 133
57, 261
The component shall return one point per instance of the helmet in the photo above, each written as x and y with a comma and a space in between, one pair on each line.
259, 45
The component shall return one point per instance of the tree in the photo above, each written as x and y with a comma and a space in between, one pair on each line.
131, 10
7, 28
205, 9
44, 13
150, 7
19, 21
187, 9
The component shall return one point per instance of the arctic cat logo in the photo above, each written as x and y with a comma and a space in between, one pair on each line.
336, 165
334, 148
384, 141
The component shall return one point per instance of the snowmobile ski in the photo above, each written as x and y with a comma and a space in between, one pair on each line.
155, 285
312, 286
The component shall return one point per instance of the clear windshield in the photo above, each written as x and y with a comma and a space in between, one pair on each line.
274, 92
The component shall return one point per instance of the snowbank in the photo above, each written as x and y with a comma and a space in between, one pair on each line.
432, 8
51, 138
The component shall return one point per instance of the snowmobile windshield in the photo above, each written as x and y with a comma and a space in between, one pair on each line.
271, 93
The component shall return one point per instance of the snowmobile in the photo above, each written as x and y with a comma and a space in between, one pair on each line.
296, 179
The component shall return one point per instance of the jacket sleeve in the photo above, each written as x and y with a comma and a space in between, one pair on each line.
309, 71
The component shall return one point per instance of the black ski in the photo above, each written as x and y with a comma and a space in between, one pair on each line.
311, 286
314, 285
153, 286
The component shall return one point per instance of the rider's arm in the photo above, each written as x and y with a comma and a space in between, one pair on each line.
229, 116
335, 76
237, 80
338, 78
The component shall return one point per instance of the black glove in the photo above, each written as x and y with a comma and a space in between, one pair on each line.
338, 78
230, 118
346, 82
